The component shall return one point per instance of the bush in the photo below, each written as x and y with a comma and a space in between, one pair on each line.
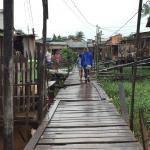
68, 55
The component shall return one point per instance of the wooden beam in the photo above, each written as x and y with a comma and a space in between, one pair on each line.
124, 110
126, 65
8, 73
42, 62
144, 131
135, 66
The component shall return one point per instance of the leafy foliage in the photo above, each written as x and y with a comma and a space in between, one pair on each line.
130, 37
68, 55
80, 36
57, 38
71, 37
146, 9
142, 97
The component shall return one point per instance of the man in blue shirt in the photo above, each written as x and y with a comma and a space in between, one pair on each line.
86, 62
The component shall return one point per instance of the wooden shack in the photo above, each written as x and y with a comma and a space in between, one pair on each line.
110, 50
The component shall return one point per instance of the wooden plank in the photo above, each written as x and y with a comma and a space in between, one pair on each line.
110, 136
86, 128
87, 119
67, 109
101, 92
87, 133
94, 121
51, 83
108, 146
86, 124
67, 99
91, 131
87, 114
87, 140
85, 111
78, 129
85, 102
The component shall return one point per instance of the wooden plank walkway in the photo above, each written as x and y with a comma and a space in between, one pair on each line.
83, 119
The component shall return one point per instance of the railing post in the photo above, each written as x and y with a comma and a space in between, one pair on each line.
124, 110
144, 131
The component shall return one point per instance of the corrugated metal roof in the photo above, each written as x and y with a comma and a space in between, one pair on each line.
77, 44
70, 43
52, 43
1, 19
57, 43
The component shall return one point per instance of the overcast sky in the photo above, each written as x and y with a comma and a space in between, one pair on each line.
66, 17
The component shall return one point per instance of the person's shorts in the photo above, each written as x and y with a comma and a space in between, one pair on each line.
88, 67
49, 62
79, 66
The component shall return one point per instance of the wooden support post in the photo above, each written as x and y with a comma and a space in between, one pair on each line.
97, 49
124, 110
144, 132
68, 63
42, 62
8, 73
135, 66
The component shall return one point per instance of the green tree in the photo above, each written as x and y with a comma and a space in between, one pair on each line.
54, 37
59, 38
146, 9
71, 37
80, 36
145, 12
129, 37
68, 54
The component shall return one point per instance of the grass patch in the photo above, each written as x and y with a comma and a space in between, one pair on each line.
142, 96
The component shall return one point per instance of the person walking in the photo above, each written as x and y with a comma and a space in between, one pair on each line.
56, 58
86, 62
48, 57
80, 66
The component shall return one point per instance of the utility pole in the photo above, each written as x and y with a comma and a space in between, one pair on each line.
135, 65
97, 47
8, 61
42, 61
98, 40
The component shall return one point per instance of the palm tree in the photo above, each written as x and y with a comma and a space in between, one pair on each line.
71, 37
54, 37
80, 36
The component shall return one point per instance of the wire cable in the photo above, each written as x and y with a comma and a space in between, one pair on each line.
124, 24
31, 13
127, 21
77, 16
82, 14
25, 8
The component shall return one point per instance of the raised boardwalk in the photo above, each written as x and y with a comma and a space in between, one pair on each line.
83, 119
